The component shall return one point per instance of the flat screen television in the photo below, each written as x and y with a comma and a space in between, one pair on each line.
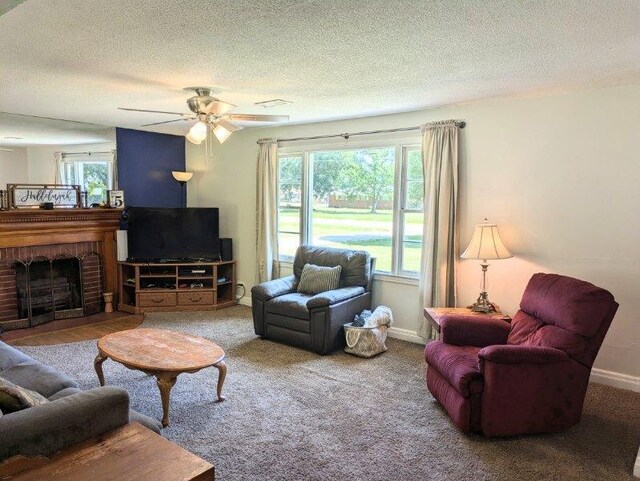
168, 234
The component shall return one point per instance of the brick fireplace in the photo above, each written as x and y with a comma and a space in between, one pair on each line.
55, 264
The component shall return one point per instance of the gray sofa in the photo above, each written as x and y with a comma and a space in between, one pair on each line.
282, 314
72, 415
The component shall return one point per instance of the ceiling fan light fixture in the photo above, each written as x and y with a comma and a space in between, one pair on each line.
221, 133
192, 140
197, 133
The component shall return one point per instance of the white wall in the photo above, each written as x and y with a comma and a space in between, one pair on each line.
42, 164
559, 174
14, 167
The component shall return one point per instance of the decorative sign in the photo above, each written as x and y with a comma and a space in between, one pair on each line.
34, 196
116, 198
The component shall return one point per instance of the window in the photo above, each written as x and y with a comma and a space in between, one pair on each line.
352, 201
411, 210
94, 177
368, 197
289, 205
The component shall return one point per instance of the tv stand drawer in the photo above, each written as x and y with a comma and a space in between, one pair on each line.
156, 299
195, 298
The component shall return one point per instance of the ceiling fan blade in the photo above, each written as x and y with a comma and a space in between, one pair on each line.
165, 122
151, 111
50, 118
257, 118
218, 107
228, 125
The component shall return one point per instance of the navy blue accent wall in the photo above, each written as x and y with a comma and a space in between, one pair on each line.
145, 162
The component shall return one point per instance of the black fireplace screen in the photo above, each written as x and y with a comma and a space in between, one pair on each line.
49, 289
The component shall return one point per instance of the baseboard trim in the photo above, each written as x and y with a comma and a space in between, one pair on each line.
404, 335
245, 301
615, 379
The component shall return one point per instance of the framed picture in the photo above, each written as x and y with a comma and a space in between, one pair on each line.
34, 196
116, 199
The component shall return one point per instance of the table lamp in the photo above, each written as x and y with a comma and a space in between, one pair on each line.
485, 244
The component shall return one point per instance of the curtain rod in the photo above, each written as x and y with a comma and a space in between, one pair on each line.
346, 135
64, 154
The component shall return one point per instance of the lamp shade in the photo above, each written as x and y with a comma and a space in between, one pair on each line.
182, 176
198, 132
221, 133
486, 244
191, 139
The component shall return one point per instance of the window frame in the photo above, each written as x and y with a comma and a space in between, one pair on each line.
401, 143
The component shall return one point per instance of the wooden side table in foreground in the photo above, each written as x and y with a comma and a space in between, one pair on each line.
164, 354
129, 453
434, 315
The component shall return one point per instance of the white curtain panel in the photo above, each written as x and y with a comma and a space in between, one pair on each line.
440, 242
114, 168
57, 161
267, 211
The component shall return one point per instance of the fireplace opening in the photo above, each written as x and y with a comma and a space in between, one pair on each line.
48, 289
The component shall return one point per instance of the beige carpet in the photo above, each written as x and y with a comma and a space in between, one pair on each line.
293, 415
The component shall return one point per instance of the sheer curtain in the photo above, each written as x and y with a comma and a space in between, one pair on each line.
440, 242
57, 165
114, 168
267, 211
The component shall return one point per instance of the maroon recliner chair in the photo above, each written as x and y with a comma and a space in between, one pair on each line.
527, 377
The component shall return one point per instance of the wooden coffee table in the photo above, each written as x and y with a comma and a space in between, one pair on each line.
165, 354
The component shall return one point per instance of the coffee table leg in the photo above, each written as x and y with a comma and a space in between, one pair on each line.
97, 365
222, 373
165, 383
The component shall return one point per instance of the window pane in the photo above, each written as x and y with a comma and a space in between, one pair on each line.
68, 173
287, 244
289, 205
93, 177
414, 192
353, 201
412, 241
95, 180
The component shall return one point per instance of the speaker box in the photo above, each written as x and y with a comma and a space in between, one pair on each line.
121, 245
226, 249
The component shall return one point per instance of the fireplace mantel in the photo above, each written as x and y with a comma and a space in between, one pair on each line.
38, 227
27, 221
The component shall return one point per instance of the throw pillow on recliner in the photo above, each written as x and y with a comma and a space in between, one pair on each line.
316, 279
15, 398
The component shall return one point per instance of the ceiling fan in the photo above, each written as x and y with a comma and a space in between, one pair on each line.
212, 115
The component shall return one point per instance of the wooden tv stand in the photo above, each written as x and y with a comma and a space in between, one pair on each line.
160, 287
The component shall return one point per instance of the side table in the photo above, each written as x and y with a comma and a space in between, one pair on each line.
434, 315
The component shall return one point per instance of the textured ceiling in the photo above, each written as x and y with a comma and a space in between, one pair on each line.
81, 59
43, 131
